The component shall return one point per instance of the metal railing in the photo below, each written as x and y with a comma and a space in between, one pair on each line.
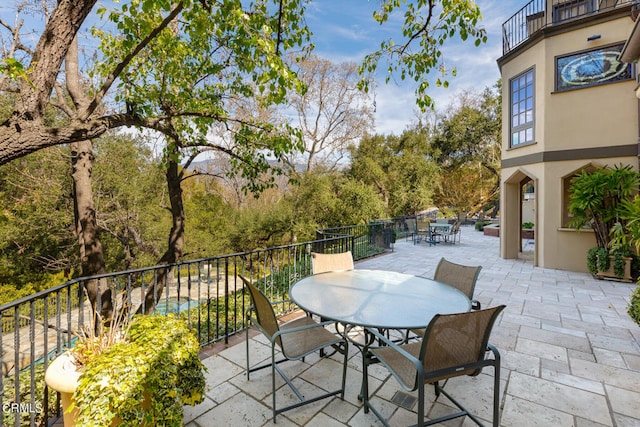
206, 292
538, 14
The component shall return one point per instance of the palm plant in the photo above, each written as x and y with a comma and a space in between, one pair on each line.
597, 199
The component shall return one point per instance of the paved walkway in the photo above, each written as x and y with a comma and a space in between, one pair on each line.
570, 354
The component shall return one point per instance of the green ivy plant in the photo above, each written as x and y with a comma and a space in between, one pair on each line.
597, 259
527, 225
145, 379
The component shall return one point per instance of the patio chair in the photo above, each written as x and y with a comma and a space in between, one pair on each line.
424, 232
453, 345
461, 277
295, 339
321, 263
452, 234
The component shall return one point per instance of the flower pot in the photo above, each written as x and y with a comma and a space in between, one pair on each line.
609, 274
62, 376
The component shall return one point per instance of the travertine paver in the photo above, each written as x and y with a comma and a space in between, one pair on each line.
570, 354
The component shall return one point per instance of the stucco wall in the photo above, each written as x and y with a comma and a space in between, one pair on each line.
569, 122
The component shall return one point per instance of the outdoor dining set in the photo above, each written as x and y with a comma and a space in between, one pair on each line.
423, 330
435, 232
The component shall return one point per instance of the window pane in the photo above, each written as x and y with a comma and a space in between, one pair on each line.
529, 104
514, 86
515, 109
529, 136
514, 121
514, 138
522, 118
529, 118
529, 77
529, 91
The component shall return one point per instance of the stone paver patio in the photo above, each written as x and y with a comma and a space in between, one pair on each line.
570, 354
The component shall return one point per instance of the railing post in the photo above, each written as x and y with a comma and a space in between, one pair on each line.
226, 301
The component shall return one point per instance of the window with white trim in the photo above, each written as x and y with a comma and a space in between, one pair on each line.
521, 109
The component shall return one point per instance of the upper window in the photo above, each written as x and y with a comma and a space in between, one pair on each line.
522, 88
591, 68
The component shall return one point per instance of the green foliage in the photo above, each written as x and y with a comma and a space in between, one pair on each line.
631, 214
597, 198
399, 169
36, 219
26, 393
633, 308
428, 27
597, 259
466, 145
619, 263
159, 362
479, 226
527, 225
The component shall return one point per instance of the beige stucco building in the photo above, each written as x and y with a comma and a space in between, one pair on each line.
568, 103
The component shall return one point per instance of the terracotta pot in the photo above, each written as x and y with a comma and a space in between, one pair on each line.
62, 376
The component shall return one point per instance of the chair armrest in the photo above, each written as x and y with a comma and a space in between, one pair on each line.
302, 328
395, 346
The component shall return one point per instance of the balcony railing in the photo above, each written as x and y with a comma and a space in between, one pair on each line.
206, 292
535, 16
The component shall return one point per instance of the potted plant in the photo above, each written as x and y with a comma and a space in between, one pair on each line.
140, 373
597, 199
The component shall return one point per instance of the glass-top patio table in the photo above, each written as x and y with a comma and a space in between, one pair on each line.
376, 298
384, 300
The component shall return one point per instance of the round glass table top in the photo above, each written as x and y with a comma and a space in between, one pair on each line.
377, 298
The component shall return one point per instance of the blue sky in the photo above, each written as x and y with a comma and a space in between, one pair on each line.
344, 30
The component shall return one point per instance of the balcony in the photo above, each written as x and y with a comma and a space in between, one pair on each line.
539, 14
570, 354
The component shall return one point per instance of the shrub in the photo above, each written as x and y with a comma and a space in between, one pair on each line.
633, 309
527, 225
156, 367
481, 224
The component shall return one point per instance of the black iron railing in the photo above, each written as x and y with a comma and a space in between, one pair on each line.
538, 14
206, 292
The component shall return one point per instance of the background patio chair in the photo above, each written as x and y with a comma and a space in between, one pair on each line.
321, 263
452, 234
295, 339
461, 277
424, 232
453, 345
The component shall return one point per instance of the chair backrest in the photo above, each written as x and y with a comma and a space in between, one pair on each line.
457, 340
321, 263
422, 224
462, 277
265, 315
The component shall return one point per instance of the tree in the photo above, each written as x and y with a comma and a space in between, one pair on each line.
467, 141
332, 113
36, 219
171, 67
33, 71
399, 168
